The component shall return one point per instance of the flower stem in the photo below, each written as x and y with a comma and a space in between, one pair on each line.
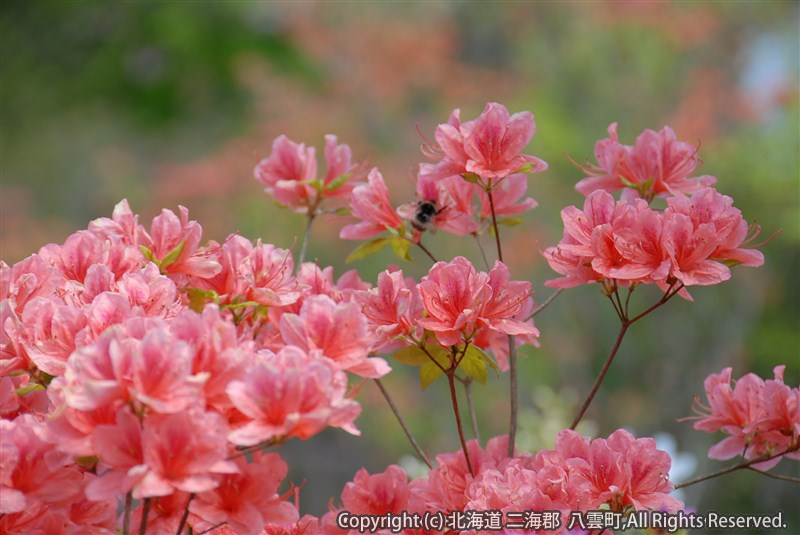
126, 517
546, 303
602, 375
185, 515
513, 397
145, 513
306, 239
397, 415
426, 251
625, 323
454, 398
739, 466
473, 417
480, 248
494, 225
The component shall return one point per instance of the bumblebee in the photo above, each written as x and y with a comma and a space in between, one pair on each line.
424, 216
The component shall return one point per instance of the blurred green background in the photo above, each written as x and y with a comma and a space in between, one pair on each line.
168, 103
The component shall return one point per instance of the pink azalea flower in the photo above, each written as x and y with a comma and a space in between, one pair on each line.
370, 203
121, 454
248, 500
377, 494
291, 394
489, 146
762, 418
620, 471
458, 300
506, 197
27, 279
392, 308
31, 473
709, 207
123, 225
174, 243
658, 164
49, 335
337, 331
202, 457
290, 173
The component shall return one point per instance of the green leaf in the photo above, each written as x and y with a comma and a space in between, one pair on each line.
173, 255
342, 211
147, 254
471, 177
198, 298
428, 373
28, 389
526, 168
401, 247
473, 364
337, 182
367, 249
510, 221
412, 355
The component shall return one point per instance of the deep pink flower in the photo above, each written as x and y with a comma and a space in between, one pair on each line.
290, 173
377, 494
370, 203
458, 300
31, 473
490, 146
247, 500
658, 164
291, 394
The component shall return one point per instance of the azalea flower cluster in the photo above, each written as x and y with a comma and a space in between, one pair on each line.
620, 473
142, 338
761, 418
693, 241
473, 159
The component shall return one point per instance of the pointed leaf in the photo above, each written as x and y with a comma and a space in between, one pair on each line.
510, 221
337, 182
173, 255
428, 373
28, 388
148, 254
401, 248
412, 355
367, 249
474, 365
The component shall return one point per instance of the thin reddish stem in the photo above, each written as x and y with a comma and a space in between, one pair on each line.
402, 422
454, 400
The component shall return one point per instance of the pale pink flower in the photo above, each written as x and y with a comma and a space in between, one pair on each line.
393, 308
490, 146
261, 273
762, 418
337, 331
497, 341
291, 394
216, 350
27, 279
247, 500
173, 243
290, 173
123, 225
620, 471
658, 164
202, 455
50, 329
370, 203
